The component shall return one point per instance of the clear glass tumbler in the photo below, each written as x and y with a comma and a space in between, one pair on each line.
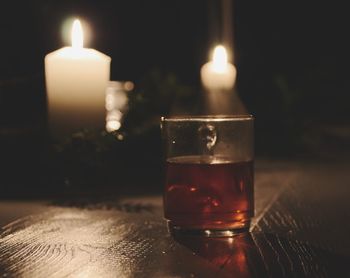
209, 174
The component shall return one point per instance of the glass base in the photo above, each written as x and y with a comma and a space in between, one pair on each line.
203, 232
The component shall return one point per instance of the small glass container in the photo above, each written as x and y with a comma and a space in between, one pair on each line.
209, 174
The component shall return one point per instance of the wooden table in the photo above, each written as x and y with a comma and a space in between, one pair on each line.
301, 229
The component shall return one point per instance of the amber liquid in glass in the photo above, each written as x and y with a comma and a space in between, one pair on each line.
204, 192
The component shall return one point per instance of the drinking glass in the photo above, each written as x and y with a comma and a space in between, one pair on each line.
209, 174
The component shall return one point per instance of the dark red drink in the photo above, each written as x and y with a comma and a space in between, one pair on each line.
204, 192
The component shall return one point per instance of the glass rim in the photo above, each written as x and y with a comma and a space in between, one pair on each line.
207, 118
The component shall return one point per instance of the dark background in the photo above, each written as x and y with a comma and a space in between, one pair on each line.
291, 58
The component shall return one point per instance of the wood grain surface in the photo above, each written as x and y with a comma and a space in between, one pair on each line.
300, 230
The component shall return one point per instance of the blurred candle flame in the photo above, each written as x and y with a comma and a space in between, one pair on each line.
77, 34
219, 59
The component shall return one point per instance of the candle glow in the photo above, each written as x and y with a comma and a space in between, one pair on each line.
219, 59
77, 35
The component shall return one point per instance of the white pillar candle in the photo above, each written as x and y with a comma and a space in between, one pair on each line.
76, 81
218, 74
218, 78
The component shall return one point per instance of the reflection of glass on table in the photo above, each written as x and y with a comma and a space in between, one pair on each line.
234, 256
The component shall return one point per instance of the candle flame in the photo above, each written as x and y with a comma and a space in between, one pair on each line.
219, 59
77, 34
